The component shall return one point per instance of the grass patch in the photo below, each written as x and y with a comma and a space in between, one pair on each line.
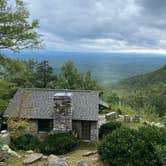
72, 158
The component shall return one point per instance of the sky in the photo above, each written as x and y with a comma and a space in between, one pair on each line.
101, 25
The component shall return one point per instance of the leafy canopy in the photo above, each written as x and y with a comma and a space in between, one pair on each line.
125, 146
16, 32
71, 78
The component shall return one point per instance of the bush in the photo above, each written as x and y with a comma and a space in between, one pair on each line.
153, 134
107, 128
18, 127
26, 142
59, 143
1, 145
161, 152
127, 146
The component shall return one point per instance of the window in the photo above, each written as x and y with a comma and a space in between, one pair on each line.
45, 125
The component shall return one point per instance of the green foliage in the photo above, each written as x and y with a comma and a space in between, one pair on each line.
17, 127
89, 83
59, 143
152, 134
148, 90
103, 111
153, 97
27, 73
108, 128
112, 98
71, 78
43, 75
127, 146
15, 31
26, 142
145, 80
161, 154
115, 148
6, 92
1, 144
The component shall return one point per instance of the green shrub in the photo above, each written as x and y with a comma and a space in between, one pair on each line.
103, 112
126, 146
153, 134
107, 128
115, 148
161, 152
26, 142
1, 144
59, 143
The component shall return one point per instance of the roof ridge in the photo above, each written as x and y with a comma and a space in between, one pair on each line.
49, 89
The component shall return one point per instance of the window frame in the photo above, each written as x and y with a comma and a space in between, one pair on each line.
44, 125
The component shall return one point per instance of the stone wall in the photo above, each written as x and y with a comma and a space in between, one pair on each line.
34, 130
34, 126
94, 131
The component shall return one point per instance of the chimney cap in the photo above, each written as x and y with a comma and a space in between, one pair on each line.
61, 94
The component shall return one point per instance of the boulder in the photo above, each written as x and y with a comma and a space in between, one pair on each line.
136, 119
121, 116
5, 137
52, 159
111, 116
89, 153
127, 118
3, 164
11, 152
44, 157
82, 163
30, 151
4, 156
159, 125
3, 131
33, 158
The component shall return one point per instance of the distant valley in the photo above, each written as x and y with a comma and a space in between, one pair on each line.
107, 68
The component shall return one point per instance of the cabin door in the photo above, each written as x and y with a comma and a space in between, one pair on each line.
86, 127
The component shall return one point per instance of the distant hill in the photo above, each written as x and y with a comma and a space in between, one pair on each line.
145, 80
107, 68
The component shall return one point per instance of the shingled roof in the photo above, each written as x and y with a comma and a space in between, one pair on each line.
35, 103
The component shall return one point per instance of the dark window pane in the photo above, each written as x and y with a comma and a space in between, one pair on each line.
45, 125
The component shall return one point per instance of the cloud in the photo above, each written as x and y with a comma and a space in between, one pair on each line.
101, 25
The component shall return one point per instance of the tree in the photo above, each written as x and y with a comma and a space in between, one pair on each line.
71, 78
7, 91
15, 31
44, 75
112, 98
90, 83
13, 71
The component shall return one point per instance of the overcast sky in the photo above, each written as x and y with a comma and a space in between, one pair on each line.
101, 25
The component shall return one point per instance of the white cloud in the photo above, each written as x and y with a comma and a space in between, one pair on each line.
101, 25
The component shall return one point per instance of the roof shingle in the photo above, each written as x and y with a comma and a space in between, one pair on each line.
35, 103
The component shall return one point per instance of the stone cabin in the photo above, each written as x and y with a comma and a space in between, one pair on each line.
52, 110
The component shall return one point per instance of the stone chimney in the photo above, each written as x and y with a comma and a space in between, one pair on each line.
62, 112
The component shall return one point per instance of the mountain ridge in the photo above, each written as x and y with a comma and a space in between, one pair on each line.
145, 80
